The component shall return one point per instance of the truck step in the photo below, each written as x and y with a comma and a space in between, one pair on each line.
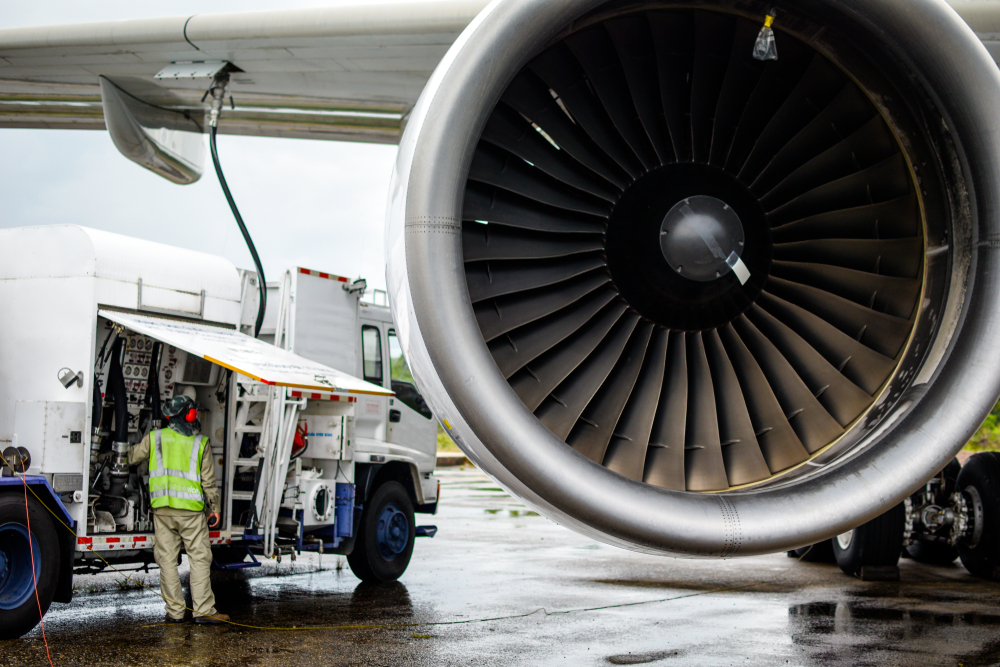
249, 429
246, 462
242, 495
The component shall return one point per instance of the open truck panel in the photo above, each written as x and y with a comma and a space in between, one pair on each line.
300, 443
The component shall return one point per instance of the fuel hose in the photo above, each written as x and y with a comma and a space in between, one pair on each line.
261, 282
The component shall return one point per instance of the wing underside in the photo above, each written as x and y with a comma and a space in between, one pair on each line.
341, 73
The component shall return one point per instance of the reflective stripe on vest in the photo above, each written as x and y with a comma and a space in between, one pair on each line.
175, 471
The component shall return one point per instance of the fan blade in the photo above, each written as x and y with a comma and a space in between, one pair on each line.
780, 78
499, 207
742, 76
743, 458
665, 456
626, 453
491, 279
509, 130
868, 146
861, 365
531, 97
778, 442
493, 166
673, 41
558, 68
901, 258
536, 381
506, 313
894, 219
819, 85
481, 242
843, 399
512, 351
593, 431
810, 420
713, 46
887, 180
597, 55
563, 407
883, 333
843, 116
885, 294
634, 43
704, 466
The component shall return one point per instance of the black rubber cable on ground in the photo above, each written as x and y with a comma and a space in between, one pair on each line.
246, 235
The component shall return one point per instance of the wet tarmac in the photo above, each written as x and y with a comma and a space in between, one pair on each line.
500, 585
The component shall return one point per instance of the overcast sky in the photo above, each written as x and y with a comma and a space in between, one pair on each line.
317, 204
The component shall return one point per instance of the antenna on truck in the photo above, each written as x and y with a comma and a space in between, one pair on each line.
218, 93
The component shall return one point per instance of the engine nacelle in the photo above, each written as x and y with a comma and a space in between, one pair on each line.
687, 301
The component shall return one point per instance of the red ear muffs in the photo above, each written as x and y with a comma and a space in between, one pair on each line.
192, 415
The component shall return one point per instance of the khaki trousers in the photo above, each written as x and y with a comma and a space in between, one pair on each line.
191, 529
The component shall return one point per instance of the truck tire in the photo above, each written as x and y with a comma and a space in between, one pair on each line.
876, 543
18, 606
821, 552
385, 539
979, 482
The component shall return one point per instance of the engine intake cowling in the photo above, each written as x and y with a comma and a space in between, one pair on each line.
686, 301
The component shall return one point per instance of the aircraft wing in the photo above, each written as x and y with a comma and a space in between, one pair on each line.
345, 73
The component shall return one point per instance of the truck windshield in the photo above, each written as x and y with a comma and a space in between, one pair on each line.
402, 381
400, 371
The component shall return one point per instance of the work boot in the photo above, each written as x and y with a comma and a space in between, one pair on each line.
171, 619
211, 620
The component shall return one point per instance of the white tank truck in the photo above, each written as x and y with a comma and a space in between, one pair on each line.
99, 329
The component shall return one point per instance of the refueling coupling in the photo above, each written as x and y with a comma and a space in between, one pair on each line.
218, 93
118, 470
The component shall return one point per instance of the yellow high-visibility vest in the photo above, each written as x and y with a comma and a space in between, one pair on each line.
175, 470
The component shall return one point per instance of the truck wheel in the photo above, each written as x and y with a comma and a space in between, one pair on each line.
979, 482
18, 607
385, 539
821, 552
876, 543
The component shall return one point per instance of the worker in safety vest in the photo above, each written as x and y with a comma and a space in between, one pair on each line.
181, 487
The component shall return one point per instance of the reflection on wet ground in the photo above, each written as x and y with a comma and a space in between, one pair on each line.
500, 585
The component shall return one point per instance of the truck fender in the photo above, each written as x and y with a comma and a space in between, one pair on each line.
67, 540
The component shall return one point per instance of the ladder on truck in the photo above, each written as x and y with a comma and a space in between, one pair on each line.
276, 431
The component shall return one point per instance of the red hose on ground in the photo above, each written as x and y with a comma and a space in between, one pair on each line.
34, 575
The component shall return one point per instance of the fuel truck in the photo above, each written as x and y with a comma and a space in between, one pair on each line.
101, 329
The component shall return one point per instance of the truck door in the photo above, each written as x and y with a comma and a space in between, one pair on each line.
370, 418
411, 423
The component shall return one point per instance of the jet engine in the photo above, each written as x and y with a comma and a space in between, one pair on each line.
684, 300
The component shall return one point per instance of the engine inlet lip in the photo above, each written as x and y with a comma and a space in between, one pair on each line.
489, 421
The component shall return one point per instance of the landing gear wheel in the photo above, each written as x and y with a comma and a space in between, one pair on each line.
877, 543
821, 552
933, 553
979, 482
385, 539
18, 607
